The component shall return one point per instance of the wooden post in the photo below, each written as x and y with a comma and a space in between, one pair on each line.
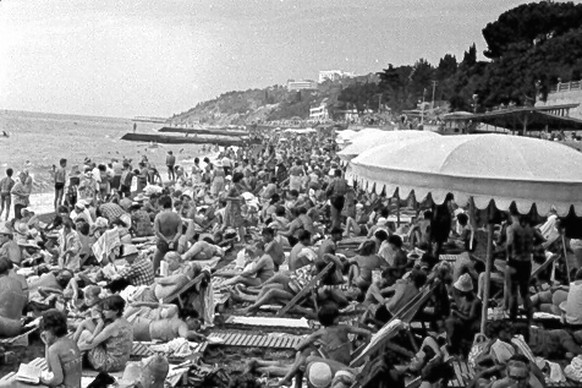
489, 264
472, 220
397, 212
565, 256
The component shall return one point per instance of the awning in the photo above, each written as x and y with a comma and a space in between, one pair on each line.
524, 119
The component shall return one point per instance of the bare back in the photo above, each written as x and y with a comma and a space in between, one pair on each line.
168, 223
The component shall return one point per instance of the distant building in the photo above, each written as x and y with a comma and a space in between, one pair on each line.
333, 75
319, 113
565, 93
293, 85
350, 115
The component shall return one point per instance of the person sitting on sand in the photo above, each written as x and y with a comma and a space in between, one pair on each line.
12, 301
63, 357
94, 323
138, 273
8, 247
363, 264
110, 349
259, 271
331, 341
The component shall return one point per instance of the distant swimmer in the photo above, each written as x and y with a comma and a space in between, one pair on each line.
5, 134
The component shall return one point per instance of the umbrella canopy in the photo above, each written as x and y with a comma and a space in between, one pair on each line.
388, 139
300, 131
345, 136
488, 167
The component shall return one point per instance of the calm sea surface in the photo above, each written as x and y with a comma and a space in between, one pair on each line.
38, 140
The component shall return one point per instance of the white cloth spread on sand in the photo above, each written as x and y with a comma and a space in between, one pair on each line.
269, 321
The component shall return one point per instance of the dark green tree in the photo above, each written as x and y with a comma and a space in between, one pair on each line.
531, 24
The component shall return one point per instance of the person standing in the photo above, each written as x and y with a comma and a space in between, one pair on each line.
125, 180
168, 229
60, 177
21, 193
6, 185
521, 238
171, 164
117, 168
336, 192
70, 247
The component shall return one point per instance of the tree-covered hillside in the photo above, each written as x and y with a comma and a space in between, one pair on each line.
529, 49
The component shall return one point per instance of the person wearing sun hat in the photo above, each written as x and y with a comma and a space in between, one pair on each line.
465, 314
8, 247
218, 180
319, 375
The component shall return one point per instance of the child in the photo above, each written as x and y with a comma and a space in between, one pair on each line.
93, 325
330, 342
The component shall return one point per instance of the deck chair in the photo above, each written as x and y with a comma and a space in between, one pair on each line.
406, 314
21, 338
180, 295
306, 290
537, 271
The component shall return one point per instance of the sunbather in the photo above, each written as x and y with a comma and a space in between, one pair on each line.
260, 270
330, 342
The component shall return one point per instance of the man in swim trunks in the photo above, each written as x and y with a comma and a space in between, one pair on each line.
168, 229
60, 175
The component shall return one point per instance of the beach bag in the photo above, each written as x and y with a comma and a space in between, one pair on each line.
479, 349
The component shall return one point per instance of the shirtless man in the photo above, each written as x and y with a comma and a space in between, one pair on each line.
168, 229
12, 301
60, 177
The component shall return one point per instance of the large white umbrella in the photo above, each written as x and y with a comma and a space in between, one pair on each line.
488, 167
484, 168
370, 140
345, 135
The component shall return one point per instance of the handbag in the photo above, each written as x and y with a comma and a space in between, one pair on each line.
480, 346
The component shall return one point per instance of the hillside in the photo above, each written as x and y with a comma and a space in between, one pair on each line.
273, 103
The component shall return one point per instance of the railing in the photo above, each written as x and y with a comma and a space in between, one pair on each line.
566, 86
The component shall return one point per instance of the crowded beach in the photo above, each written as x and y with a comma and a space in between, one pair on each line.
275, 264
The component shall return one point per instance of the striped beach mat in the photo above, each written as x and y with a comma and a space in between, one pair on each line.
269, 340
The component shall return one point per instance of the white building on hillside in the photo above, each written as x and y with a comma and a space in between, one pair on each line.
333, 75
307, 84
319, 113
566, 93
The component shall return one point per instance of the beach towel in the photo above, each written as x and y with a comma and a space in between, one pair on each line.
106, 244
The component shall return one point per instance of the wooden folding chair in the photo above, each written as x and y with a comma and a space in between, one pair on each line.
180, 295
305, 290
406, 314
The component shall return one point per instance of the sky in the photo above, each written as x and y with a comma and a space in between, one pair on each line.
123, 58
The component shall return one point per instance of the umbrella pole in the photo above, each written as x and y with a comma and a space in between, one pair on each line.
565, 256
488, 265
398, 212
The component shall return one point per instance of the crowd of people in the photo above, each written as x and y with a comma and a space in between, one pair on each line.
123, 240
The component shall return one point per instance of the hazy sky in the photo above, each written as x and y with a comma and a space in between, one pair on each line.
129, 57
